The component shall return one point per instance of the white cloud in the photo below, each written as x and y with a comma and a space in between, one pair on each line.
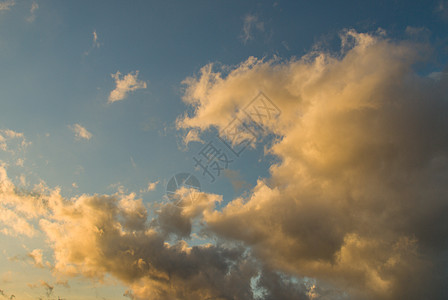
81, 132
124, 85
6, 5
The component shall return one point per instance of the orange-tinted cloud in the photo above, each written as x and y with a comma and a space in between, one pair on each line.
358, 196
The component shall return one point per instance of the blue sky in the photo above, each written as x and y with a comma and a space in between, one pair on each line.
57, 66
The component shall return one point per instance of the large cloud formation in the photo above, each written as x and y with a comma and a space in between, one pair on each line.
359, 197
354, 209
92, 236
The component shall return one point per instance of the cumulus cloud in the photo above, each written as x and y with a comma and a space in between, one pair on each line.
101, 235
191, 204
81, 132
37, 258
6, 5
124, 85
358, 196
98, 235
18, 207
354, 207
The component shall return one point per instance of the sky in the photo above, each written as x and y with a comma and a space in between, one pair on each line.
235, 150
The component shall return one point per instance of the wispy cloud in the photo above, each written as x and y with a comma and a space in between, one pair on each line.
152, 186
80, 132
95, 43
6, 5
442, 9
192, 136
124, 85
37, 258
12, 141
95, 39
34, 7
251, 24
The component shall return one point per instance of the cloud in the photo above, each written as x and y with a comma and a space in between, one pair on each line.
152, 186
33, 9
191, 205
37, 256
12, 142
6, 5
354, 207
18, 207
358, 196
14, 224
442, 10
192, 136
81, 132
237, 181
63, 283
98, 235
251, 23
124, 85
6, 277
96, 44
101, 235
